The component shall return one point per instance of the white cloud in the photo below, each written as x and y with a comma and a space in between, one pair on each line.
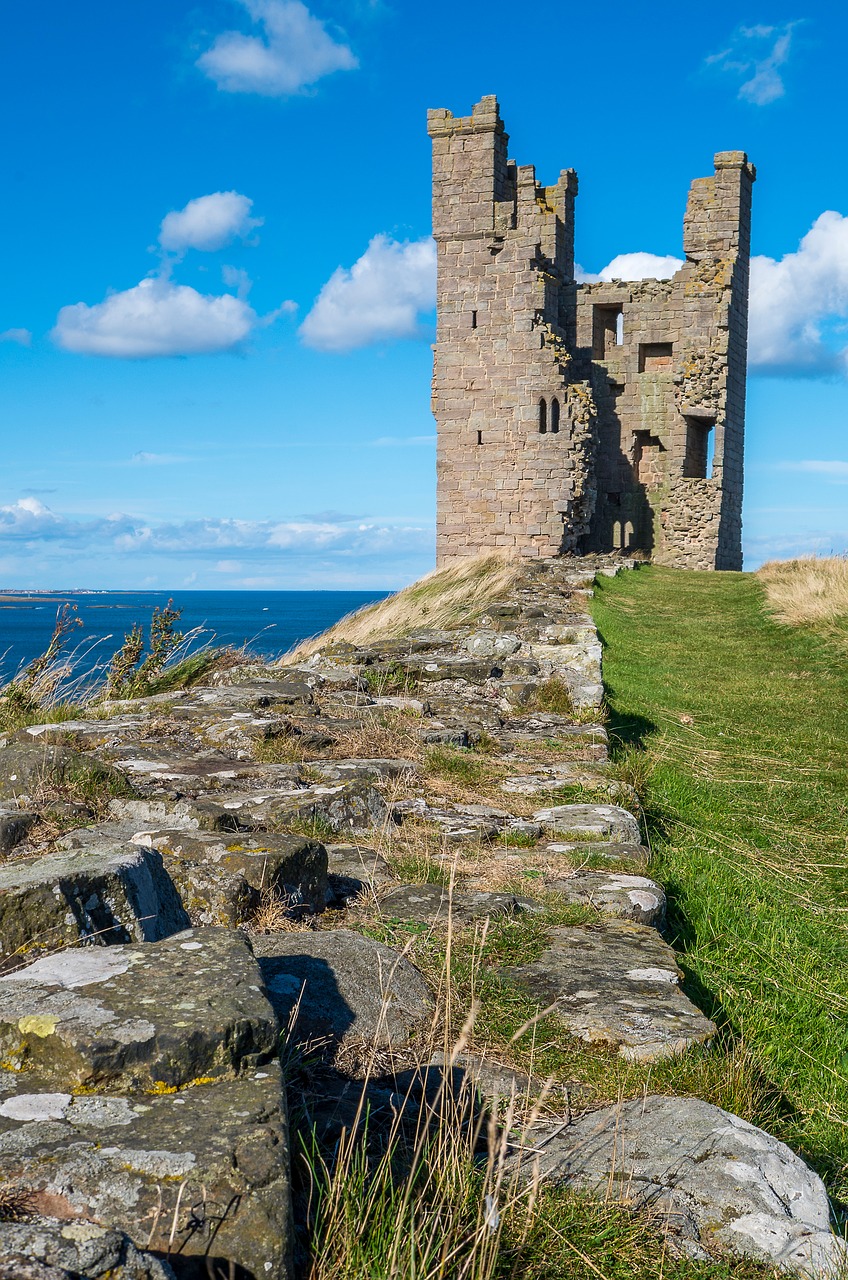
377, 299
755, 56
22, 337
155, 318
799, 304
633, 266
295, 50
208, 223
832, 468
215, 538
28, 518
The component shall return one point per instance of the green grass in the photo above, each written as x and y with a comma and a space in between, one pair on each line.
734, 729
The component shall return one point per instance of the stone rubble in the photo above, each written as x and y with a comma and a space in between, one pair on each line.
176, 904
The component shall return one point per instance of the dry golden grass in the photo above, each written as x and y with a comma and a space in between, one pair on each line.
445, 598
809, 590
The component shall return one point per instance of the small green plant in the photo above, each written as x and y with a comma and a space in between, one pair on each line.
455, 763
554, 695
35, 689
128, 679
389, 681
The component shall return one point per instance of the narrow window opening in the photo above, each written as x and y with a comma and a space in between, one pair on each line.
655, 355
607, 330
543, 416
648, 460
700, 448
555, 414
473, 319
614, 499
479, 437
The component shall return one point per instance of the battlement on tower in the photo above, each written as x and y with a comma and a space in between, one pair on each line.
575, 416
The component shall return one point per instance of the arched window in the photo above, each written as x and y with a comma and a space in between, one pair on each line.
543, 415
555, 414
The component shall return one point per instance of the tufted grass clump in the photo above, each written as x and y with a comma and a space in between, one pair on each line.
808, 591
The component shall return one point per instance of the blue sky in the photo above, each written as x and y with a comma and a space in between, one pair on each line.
217, 306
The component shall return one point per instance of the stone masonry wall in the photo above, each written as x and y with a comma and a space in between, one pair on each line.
575, 416
505, 250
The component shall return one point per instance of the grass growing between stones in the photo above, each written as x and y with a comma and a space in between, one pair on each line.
733, 728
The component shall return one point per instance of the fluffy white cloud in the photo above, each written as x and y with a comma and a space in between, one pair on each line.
22, 337
28, 518
208, 222
799, 304
832, 469
155, 318
633, 266
378, 298
755, 56
31, 520
294, 51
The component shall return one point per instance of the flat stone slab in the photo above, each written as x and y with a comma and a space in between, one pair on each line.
221, 877
616, 985
615, 895
715, 1179
607, 850
354, 989
460, 822
148, 1017
209, 1163
112, 894
581, 821
429, 903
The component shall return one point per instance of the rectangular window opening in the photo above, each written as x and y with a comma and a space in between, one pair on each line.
607, 329
473, 319
648, 460
700, 448
479, 437
655, 355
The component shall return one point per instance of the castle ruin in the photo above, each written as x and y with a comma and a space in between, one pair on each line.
576, 417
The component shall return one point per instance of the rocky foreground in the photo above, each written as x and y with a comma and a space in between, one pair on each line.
193, 880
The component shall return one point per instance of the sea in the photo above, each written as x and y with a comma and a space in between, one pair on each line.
267, 622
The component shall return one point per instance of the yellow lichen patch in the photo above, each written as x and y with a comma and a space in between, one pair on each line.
159, 1087
37, 1024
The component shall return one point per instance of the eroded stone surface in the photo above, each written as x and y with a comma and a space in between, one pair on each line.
354, 989
140, 1017
715, 1179
429, 903
615, 894
49, 1249
616, 985
583, 821
221, 878
209, 1163
105, 894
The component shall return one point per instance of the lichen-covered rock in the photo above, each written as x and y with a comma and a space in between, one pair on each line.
615, 894
49, 1249
582, 821
221, 877
200, 1175
29, 771
429, 903
354, 989
715, 1179
155, 1016
616, 985
109, 893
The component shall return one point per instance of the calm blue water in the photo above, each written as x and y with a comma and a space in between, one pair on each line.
269, 621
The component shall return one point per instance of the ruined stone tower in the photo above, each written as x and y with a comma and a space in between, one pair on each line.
583, 417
